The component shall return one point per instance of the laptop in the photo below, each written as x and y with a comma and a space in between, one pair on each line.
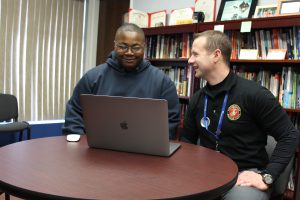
130, 124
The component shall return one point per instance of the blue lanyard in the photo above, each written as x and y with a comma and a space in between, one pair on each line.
218, 132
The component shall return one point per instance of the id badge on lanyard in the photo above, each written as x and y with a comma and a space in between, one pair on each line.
205, 121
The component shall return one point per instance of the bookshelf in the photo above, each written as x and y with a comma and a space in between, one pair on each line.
258, 24
234, 25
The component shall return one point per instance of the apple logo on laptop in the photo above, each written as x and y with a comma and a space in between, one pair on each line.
124, 125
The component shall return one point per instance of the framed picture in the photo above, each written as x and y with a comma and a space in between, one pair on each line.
288, 7
236, 9
265, 11
208, 7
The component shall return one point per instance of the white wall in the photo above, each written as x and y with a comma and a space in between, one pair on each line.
157, 5
91, 34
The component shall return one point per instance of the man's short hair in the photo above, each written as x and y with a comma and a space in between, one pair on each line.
217, 40
129, 27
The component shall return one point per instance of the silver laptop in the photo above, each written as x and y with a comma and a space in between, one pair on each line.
138, 125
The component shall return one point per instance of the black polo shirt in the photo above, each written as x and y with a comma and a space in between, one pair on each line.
251, 113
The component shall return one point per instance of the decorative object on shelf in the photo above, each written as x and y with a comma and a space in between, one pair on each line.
198, 17
236, 9
246, 26
249, 54
276, 54
265, 11
208, 7
219, 27
181, 16
145, 20
288, 7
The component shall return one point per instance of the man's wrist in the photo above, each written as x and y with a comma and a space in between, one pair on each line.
267, 178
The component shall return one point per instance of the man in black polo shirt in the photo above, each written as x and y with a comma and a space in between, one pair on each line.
234, 116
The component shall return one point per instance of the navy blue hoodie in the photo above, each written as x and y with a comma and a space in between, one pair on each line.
111, 79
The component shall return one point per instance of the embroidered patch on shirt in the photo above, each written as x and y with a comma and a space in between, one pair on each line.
234, 112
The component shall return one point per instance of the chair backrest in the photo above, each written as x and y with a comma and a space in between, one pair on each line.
281, 183
8, 107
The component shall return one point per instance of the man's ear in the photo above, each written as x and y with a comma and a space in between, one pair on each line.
217, 55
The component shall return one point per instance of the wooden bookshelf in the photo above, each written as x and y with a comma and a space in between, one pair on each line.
257, 23
293, 62
171, 62
292, 110
185, 28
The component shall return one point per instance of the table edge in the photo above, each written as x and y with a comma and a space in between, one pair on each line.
29, 194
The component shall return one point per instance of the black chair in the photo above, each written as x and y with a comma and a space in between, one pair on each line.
9, 113
280, 185
7, 197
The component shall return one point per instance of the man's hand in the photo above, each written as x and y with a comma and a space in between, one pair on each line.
251, 179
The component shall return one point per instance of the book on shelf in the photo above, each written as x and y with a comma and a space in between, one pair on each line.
275, 38
258, 44
288, 90
208, 7
263, 44
147, 19
282, 86
297, 42
298, 92
274, 84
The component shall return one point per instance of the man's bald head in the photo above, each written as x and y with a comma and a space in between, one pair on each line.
129, 27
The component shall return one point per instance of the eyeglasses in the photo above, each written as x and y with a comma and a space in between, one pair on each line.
124, 48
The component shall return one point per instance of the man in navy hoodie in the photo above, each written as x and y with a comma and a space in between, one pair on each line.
125, 73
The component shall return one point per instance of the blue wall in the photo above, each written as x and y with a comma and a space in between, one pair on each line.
38, 130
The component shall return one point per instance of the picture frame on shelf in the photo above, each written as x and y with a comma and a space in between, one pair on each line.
236, 9
288, 7
138, 17
208, 7
265, 11
181, 16
158, 18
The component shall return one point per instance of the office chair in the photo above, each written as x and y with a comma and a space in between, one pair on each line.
9, 113
280, 185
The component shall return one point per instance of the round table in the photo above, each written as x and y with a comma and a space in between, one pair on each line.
52, 168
